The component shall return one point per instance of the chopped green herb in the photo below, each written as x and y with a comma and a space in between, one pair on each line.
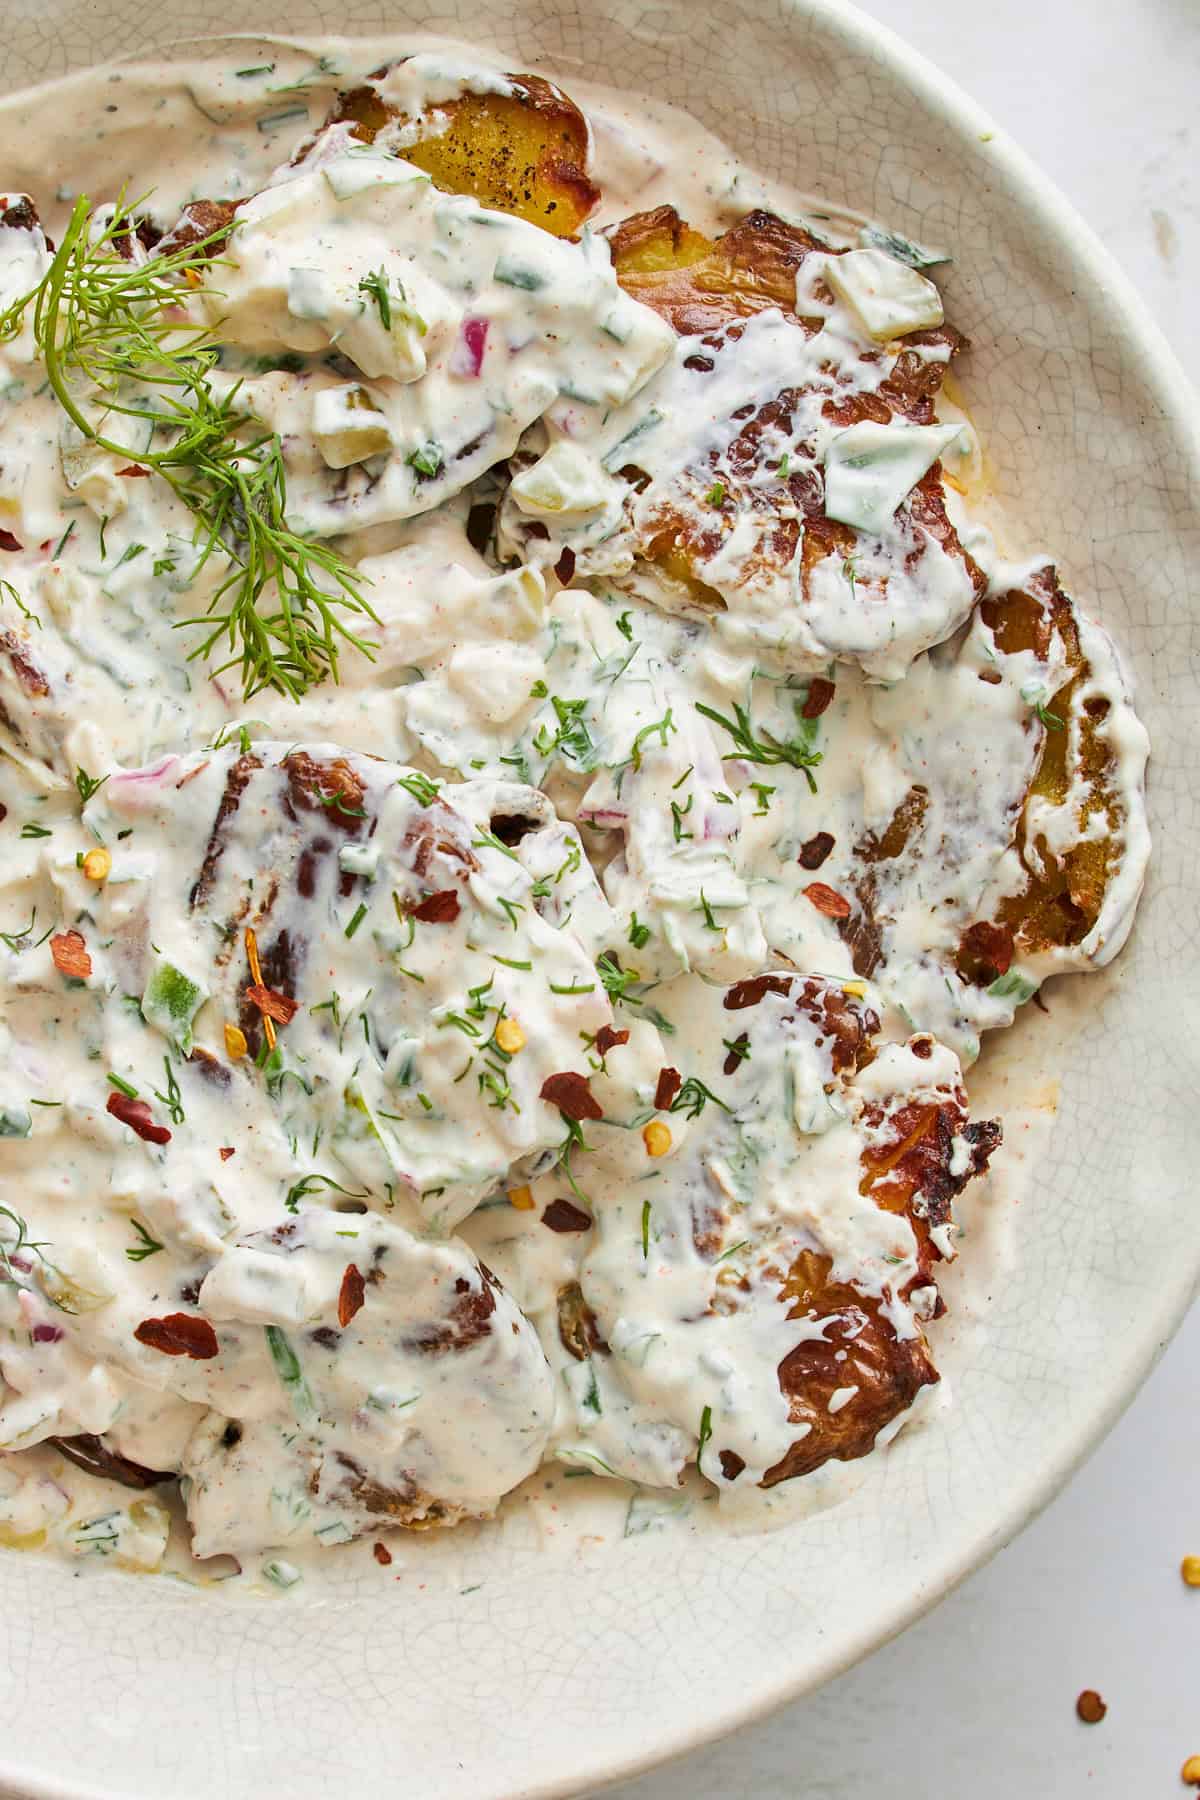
287, 1367
6, 587
359, 915
487, 840
705, 1433
639, 934
314, 1184
645, 1230
663, 727
147, 1246
625, 626
716, 494
426, 459
1013, 986
693, 1097
172, 1099
618, 982
86, 786
424, 791
122, 1086
572, 736
18, 940
733, 1249
31, 829
678, 815
765, 749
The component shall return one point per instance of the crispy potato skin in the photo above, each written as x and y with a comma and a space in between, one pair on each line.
908, 1167
707, 288
910, 1174
915, 1166
889, 1372
1063, 898
523, 153
700, 284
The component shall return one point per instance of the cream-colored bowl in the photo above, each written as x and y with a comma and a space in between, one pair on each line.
557, 1669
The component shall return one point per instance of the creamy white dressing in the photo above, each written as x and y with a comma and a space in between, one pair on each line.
508, 876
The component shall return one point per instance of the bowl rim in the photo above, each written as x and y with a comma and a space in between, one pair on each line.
1175, 398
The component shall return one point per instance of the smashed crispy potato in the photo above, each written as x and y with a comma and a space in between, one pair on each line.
523, 152
745, 1239
1063, 899
726, 511
858, 1350
699, 284
702, 285
1018, 843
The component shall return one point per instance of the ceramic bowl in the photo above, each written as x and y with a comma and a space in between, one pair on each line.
563, 1667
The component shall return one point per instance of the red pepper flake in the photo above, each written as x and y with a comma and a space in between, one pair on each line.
561, 1215
179, 1334
827, 900
225, 1152
436, 909
608, 1037
382, 1555
813, 853
280, 1007
669, 1083
991, 944
351, 1295
820, 693
572, 1096
132, 469
1090, 1707
564, 568
70, 955
137, 1115
749, 992
9, 542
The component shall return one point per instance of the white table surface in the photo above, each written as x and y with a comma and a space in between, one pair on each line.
976, 1702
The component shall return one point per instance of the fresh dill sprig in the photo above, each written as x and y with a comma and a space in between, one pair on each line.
21, 1246
147, 1245
763, 748
693, 1097
130, 370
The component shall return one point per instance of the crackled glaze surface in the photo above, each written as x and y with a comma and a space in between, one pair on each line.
545, 1677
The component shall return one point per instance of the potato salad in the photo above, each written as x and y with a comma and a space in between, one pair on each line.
525, 778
